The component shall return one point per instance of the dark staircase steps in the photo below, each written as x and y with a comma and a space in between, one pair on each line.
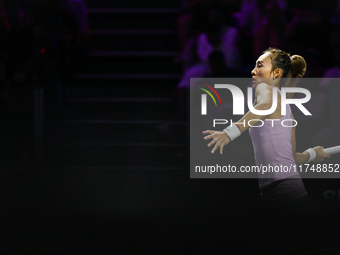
123, 132
131, 62
120, 155
126, 19
119, 110
133, 4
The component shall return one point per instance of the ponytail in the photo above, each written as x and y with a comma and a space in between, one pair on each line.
297, 70
298, 66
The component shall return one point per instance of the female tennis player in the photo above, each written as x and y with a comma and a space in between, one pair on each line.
273, 144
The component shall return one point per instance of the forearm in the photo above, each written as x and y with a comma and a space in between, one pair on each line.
301, 158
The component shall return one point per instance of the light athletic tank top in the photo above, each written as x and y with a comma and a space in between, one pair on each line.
272, 144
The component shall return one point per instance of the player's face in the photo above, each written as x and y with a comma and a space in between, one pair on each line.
262, 71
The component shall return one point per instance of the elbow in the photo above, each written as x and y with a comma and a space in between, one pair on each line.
267, 105
264, 104
295, 157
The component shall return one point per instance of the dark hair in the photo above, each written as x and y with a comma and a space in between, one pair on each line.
292, 66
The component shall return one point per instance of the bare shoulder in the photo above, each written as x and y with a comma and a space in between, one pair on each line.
263, 88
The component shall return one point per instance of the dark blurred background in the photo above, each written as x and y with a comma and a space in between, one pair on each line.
94, 126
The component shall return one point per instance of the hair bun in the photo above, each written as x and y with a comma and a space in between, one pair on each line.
298, 66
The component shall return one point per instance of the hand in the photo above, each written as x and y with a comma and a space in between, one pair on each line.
219, 137
320, 154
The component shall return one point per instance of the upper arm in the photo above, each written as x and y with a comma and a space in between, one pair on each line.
264, 94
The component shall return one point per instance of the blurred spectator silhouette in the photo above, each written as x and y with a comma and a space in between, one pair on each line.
210, 27
187, 27
271, 31
219, 33
215, 67
218, 67
334, 70
248, 20
312, 25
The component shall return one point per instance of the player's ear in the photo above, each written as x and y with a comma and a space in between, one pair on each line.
277, 72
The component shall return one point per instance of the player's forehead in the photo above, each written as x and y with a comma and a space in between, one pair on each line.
264, 58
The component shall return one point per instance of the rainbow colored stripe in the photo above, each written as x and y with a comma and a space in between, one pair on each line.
213, 90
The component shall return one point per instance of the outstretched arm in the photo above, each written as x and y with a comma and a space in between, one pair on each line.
263, 95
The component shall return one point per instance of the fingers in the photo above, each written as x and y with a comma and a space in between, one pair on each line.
218, 139
209, 137
216, 147
208, 131
325, 154
212, 142
211, 132
321, 154
322, 157
221, 143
